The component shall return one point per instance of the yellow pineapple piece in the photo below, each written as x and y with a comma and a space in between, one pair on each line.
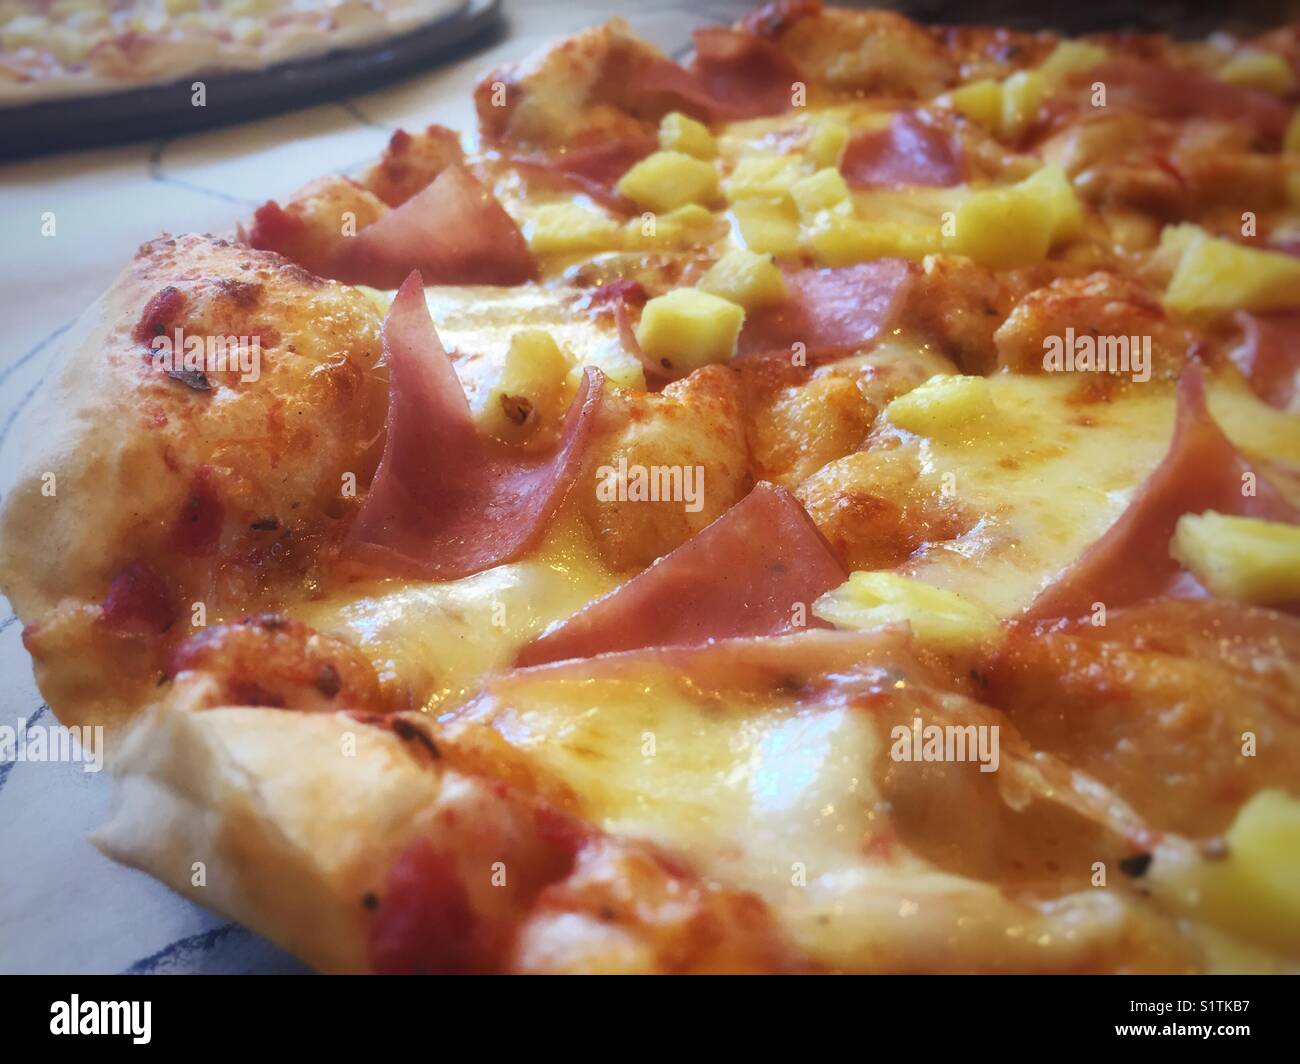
1255, 891
980, 101
1066, 211
762, 177
938, 617
1003, 227
1241, 558
562, 226
946, 407
686, 329
838, 240
670, 179
746, 278
686, 226
1215, 276
768, 227
678, 132
1070, 57
532, 389
824, 190
1258, 69
826, 145
1021, 95
25, 31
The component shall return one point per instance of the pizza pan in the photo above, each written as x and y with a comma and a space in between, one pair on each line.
161, 110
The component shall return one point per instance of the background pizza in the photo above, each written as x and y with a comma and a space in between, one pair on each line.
871, 279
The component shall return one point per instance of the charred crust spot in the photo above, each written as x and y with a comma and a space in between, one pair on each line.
192, 378
328, 682
370, 900
409, 732
516, 408
265, 524
1135, 866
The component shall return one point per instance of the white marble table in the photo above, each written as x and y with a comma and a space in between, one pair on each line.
63, 907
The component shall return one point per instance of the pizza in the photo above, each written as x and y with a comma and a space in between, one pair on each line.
831, 506
52, 49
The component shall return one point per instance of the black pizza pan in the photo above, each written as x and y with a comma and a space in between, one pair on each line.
161, 110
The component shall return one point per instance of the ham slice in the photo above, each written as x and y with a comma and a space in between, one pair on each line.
742, 576
832, 312
1269, 354
743, 74
1175, 93
454, 232
444, 502
594, 168
1130, 563
909, 151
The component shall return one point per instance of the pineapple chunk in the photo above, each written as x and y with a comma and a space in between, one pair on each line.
826, 145
1066, 211
745, 278
1291, 142
1021, 95
824, 190
559, 227
841, 241
764, 177
769, 228
946, 407
1003, 227
1241, 558
1070, 57
669, 179
679, 133
1255, 891
687, 329
1262, 70
531, 390
980, 101
620, 368
938, 617
684, 227
1215, 276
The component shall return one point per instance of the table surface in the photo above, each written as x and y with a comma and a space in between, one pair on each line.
63, 906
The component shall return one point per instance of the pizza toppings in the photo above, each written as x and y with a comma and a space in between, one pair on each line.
1269, 355
912, 150
1202, 471
411, 162
453, 232
139, 598
445, 502
271, 660
832, 311
424, 924
754, 571
745, 74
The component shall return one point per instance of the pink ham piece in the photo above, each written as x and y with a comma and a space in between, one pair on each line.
832, 312
1130, 563
1179, 93
594, 169
744, 75
444, 502
909, 151
454, 232
1269, 355
742, 576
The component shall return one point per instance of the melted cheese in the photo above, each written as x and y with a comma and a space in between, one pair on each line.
1054, 475
441, 639
793, 799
